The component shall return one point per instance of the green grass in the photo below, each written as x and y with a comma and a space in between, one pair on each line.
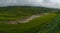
52, 27
31, 27
44, 24
15, 12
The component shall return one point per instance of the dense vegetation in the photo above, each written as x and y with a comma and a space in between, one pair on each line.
15, 12
35, 26
45, 24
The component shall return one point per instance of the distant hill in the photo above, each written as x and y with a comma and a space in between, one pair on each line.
15, 12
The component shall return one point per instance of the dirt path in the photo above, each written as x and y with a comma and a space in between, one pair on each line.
27, 19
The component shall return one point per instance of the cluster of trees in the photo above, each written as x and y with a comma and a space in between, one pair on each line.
19, 10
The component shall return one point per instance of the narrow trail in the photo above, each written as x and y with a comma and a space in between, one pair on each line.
27, 19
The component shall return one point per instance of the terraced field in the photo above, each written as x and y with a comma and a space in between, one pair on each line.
45, 24
48, 23
52, 27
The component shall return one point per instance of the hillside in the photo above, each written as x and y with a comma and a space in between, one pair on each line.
48, 23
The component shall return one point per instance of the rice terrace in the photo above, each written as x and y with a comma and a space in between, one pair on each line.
25, 19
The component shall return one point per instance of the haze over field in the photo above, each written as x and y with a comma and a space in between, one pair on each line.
44, 3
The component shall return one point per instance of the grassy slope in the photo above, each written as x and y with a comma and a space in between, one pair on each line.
30, 27
16, 12
52, 27
35, 26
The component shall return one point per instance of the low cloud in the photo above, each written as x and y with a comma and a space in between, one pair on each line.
43, 3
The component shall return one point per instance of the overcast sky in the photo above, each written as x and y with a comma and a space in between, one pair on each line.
44, 3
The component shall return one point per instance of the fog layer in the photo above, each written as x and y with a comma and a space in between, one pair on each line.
44, 3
